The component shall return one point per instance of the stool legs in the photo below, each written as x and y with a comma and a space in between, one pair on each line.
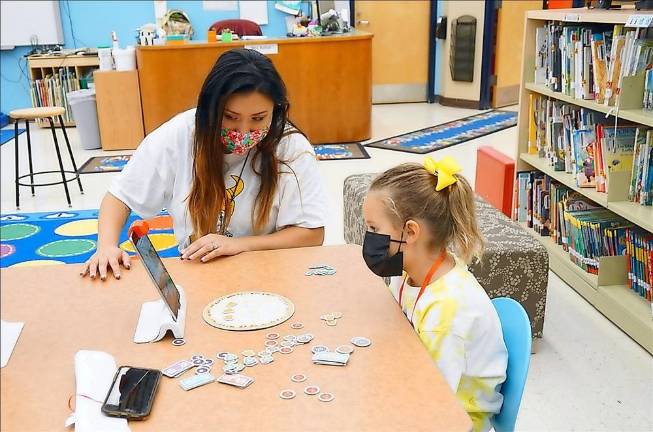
29, 152
70, 152
56, 145
16, 165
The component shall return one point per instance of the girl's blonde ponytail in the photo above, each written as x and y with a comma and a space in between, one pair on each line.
467, 240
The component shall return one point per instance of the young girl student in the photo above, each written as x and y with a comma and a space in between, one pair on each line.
422, 231
229, 172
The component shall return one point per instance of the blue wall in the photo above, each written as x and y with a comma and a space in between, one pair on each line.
92, 24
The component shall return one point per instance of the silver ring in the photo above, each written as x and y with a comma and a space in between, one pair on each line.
214, 246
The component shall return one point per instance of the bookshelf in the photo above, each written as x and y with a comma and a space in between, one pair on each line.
635, 115
41, 66
608, 291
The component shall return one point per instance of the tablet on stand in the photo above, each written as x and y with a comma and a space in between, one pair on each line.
168, 312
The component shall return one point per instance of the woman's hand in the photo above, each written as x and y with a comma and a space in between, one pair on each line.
211, 246
111, 256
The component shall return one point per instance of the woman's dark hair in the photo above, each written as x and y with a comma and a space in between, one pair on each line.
236, 71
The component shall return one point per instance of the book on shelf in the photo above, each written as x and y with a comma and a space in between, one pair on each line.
583, 149
585, 144
637, 56
52, 89
617, 145
554, 57
641, 178
590, 61
614, 66
593, 234
584, 229
520, 199
639, 261
541, 56
556, 149
532, 125
601, 178
599, 65
648, 91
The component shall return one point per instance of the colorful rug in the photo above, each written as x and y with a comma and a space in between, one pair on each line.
449, 134
340, 151
7, 135
104, 164
68, 237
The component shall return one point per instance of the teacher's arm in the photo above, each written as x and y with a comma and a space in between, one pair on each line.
213, 245
112, 218
141, 187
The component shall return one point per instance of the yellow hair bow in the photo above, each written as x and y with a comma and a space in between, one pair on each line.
445, 169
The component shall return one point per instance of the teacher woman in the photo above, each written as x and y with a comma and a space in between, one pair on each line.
232, 173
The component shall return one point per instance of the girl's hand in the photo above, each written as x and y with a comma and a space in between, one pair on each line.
211, 246
104, 257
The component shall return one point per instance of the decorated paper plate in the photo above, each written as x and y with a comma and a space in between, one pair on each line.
248, 311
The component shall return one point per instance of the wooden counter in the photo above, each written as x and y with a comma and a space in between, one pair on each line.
119, 111
329, 81
393, 385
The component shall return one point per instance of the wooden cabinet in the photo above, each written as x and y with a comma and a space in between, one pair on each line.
119, 110
329, 81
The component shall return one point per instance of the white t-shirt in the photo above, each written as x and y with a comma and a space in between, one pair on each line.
159, 175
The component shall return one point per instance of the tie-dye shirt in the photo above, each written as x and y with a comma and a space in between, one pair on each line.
459, 326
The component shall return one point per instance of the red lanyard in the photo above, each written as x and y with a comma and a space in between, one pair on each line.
436, 265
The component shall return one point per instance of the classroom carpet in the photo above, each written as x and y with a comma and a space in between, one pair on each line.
69, 237
449, 134
7, 135
340, 151
104, 164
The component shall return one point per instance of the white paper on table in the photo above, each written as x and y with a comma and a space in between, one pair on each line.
254, 10
94, 372
9, 333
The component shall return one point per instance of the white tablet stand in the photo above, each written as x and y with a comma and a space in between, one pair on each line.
156, 319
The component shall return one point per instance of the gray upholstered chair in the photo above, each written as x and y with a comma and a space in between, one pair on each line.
514, 264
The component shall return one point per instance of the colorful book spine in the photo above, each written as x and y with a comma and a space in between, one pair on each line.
639, 254
599, 62
522, 184
599, 161
648, 91
641, 174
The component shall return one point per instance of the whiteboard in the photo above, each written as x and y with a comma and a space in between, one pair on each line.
21, 20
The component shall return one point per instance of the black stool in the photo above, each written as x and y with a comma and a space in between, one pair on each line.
48, 113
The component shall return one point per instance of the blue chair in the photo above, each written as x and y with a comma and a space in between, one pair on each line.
517, 337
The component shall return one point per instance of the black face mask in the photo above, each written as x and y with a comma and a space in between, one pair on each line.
376, 250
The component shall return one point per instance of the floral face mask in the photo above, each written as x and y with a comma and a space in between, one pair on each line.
239, 143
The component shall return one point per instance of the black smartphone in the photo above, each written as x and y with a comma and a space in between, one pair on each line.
132, 393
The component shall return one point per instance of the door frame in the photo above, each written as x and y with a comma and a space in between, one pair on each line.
430, 82
487, 53
433, 16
